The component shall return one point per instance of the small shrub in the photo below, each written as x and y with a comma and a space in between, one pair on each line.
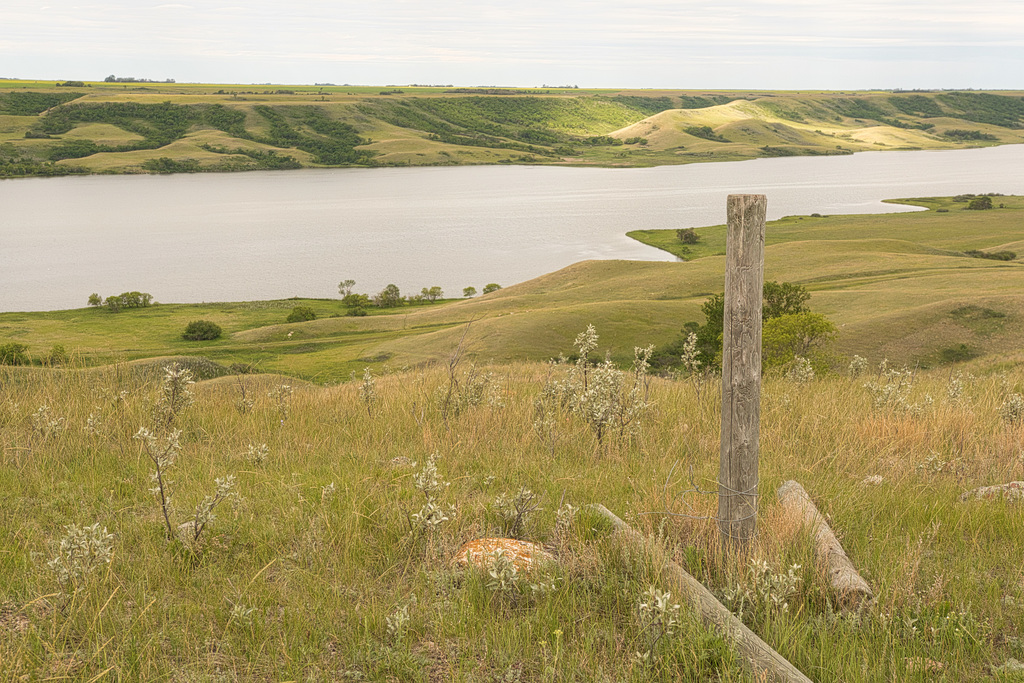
1004, 255
765, 592
659, 618
13, 354
1012, 409
356, 304
892, 390
429, 482
706, 132
858, 366
800, 370
514, 513
368, 391
174, 397
81, 552
301, 314
58, 355
201, 330
687, 235
980, 204
958, 353
45, 424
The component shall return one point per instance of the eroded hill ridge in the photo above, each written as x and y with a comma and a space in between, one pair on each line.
162, 128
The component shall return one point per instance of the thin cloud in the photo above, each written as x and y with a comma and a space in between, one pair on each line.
784, 43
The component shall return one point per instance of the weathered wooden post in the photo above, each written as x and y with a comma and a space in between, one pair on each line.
741, 369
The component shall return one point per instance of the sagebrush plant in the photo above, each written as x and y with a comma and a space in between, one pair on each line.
94, 425
81, 551
502, 572
659, 619
801, 370
515, 512
46, 424
162, 446
518, 587
471, 388
162, 453
368, 391
1012, 409
892, 390
281, 395
257, 453
398, 621
857, 367
175, 396
604, 397
765, 592
699, 374
955, 388
244, 403
432, 514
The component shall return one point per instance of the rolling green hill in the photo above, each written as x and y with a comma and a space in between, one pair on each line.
898, 286
46, 129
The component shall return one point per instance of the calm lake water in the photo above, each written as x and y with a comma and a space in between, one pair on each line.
246, 236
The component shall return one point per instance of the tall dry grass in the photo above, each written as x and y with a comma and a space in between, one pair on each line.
298, 580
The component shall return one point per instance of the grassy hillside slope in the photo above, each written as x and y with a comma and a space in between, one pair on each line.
320, 571
47, 129
899, 286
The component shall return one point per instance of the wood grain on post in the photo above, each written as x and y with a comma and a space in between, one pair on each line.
846, 581
741, 369
756, 656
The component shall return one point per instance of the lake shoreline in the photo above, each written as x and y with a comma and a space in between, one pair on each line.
274, 235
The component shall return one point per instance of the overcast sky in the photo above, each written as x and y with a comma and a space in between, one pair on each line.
777, 44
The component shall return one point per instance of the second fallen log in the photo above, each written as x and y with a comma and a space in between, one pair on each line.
849, 585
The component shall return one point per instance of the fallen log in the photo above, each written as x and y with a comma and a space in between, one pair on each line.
757, 656
847, 583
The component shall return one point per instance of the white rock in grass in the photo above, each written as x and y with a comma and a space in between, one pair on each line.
1010, 492
1011, 666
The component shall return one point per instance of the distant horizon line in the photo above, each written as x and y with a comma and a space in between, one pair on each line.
174, 82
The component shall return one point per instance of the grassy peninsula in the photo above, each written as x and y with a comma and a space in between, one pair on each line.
49, 128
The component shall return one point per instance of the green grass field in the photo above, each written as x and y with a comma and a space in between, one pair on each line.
47, 128
320, 572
